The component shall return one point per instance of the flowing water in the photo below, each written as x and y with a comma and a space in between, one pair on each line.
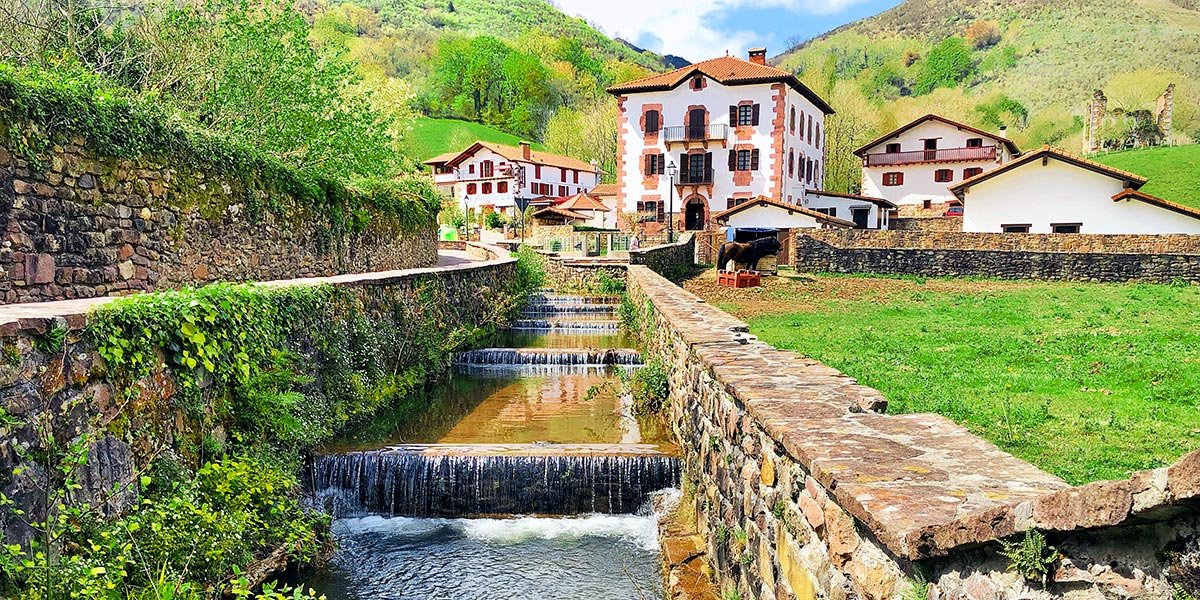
453, 495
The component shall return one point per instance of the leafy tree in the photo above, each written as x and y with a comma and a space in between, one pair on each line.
947, 65
1002, 111
983, 34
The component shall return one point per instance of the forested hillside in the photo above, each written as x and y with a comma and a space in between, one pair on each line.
1030, 65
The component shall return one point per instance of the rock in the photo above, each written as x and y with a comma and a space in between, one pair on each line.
1097, 504
126, 270
840, 533
39, 268
1183, 477
767, 472
86, 181
791, 570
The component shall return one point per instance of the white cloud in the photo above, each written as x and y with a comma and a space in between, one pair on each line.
686, 28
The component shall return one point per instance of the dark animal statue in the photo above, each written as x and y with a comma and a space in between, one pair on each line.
747, 253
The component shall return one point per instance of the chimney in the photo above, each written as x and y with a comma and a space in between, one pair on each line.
758, 56
525, 150
1004, 131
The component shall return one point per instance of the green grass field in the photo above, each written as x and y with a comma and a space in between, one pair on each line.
1086, 381
1174, 173
431, 137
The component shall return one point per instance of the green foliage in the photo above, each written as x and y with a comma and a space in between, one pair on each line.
650, 387
531, 269
428, 137
1031, 557
1171, 171
946, 65
12, 355
53, 341
607, 285
1002, 111
494, 220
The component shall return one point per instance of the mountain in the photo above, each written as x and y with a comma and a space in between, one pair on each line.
1031, 64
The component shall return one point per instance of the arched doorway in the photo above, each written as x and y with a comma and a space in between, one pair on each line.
695, 214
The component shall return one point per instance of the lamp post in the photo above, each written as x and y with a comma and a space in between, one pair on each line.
671, 169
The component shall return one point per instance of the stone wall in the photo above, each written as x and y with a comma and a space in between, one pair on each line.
580, 275
70, 390
924, 224
1105, 258
671, 260
81, 225
804, 489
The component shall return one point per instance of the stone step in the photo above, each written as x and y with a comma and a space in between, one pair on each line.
548, 356
567, 324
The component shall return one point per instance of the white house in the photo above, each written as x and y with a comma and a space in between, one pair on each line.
732, 129
917, 163
765, 212
1052, 191
489, 177
864, 211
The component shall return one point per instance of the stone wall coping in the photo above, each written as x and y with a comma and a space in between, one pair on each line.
38, 317
922, 484
1086, 243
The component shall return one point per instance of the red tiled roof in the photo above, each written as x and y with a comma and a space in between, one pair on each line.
1045, 153
1012, 146
885, 203
561, 212
726, 70
765, 201
583, 202
604, 190
1131, 194
442, 158
535, 157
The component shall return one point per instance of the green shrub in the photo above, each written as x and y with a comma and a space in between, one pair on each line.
947, 64
531, 269
650, 388
1031, 557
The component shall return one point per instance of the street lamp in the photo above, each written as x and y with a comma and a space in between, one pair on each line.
671, 202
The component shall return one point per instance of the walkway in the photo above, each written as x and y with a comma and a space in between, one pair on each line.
15, 317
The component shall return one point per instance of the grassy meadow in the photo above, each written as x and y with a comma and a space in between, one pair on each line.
430, 137
1174, 172
1086, 381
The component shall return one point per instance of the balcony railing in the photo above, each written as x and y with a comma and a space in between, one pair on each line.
926, 156
694, 177
702, 133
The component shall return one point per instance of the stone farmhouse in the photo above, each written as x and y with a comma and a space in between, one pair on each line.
1052, 191
917, 163
702, 139
489, 177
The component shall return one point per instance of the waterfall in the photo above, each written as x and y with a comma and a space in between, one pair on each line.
548, 356
563, 324
424, 481
571, 300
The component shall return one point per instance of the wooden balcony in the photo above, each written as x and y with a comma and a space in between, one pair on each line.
703, 134
885, 159
694, 177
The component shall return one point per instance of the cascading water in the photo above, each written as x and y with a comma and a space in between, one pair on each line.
538, 428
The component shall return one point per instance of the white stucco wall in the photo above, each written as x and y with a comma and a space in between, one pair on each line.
1061, 193
717, 99
843, 208
505, 202
770, 216
918, 178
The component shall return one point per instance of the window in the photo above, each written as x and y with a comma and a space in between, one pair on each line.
732, 202
791, 163
486, 168
652, 121
1015, 228
893, 149
650, 207
471, 169
893, 179
831, 212
971, 172
471, 188
575, 176
792, 121
487, 187
502, 187
809, 169
817, 138
810, 128
745, 115
943, 175
743, 160
537, 171
1065, 227
975, 143
654, 164
562, 191
698, 82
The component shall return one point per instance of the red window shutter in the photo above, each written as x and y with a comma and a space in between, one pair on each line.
575, 175
662, 164
754, 159
817, 139
707, 162
732, 160
648, 168
684, 167
733, 120
899, 178
754, 115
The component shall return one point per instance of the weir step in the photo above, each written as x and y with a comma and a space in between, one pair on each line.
574, 323
548, 356
571, 299
578, 309
469, 480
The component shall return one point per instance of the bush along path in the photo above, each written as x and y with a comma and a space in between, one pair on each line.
154, 451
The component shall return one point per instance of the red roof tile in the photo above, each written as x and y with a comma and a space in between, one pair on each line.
536, 157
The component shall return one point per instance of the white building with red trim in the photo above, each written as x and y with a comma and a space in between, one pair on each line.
734, 129
919, 162
489, 177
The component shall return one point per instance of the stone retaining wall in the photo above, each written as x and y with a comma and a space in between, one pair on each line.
68, 388
804, 489
83, 225
671, 260
1105, 258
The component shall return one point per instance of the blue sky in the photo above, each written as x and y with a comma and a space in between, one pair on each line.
697, 31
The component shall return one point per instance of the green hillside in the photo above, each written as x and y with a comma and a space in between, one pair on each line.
1030, 65
430, 137
1174, 173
